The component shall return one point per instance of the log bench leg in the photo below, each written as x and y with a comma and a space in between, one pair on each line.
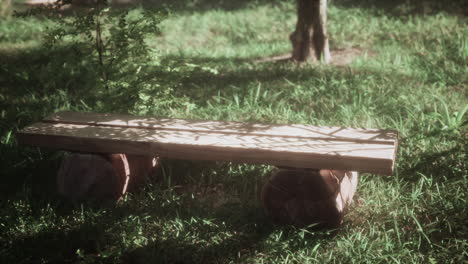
102, 176
303, 197
300, 197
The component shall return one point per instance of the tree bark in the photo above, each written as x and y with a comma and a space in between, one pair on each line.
310, 39
103, 177
303, 197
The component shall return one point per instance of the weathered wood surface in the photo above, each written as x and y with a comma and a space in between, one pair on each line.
301, 146
304, 197
102, 177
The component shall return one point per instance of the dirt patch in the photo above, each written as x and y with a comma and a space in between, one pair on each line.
340, 57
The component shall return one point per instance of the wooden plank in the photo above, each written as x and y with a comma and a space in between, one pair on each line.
212, 141
375, 136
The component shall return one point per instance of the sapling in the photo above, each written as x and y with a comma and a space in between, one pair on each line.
112, 39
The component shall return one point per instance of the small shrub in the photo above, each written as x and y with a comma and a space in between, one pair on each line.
105, 46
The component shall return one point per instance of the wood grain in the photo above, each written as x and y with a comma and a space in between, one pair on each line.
283, 145
375, 136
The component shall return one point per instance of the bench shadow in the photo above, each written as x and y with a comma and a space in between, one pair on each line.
100, 232
247, 228
99, 238
53, 246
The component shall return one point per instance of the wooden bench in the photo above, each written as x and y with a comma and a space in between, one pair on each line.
297, 146
316, 187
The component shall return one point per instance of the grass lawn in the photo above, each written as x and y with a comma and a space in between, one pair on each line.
405, 69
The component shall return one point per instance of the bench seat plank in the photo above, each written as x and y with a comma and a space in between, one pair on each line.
295, 130
294, 146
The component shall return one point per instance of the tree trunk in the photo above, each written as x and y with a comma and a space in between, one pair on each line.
310, 39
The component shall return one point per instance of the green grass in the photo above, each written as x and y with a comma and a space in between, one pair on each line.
411, 77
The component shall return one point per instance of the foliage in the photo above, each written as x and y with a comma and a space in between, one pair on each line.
108, 44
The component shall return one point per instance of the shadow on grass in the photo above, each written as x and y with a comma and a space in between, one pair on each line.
43, 71
231, 230
175, 6
27, 168
38, 81
30, 79
206, 235
444, 165
397, 8
403, 8
208, 77
53, 246
205, 5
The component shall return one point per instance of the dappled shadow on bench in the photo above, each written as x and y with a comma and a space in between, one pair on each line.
300, 146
